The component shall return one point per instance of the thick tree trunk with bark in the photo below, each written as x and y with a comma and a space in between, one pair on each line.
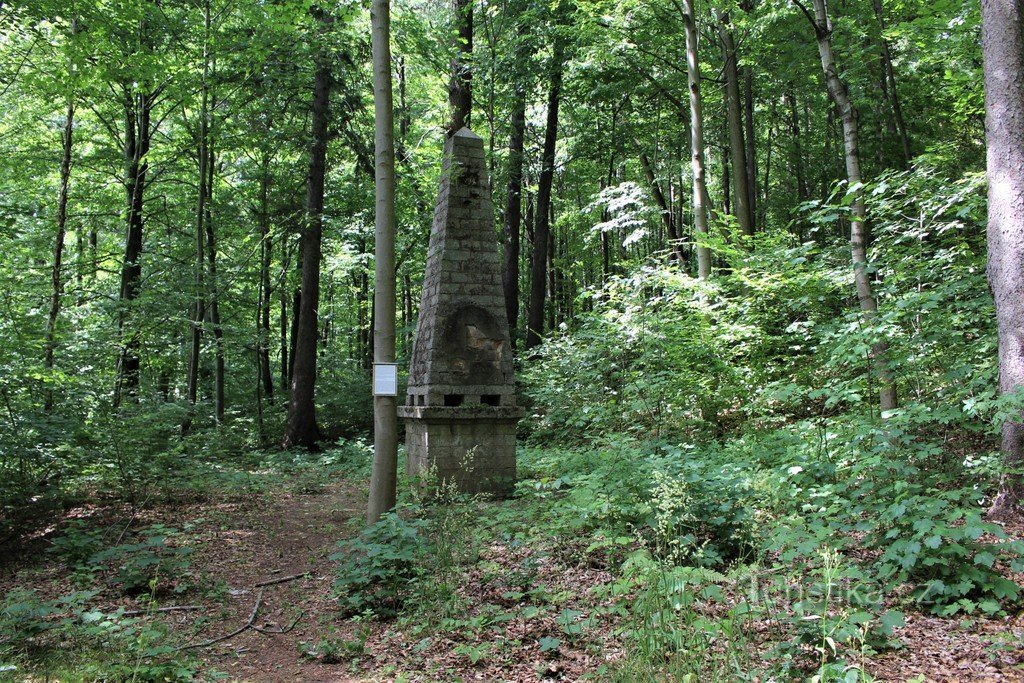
214, 308
57, 278
266, 292
384, 477
137, 109
542, 228
700, 189
840, 95
1003, 49
301, 429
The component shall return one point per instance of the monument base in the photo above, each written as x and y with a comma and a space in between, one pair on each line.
474, 446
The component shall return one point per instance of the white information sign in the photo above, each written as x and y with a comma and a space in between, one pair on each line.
385, 379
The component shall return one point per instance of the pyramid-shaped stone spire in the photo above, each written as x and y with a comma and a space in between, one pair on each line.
462, 354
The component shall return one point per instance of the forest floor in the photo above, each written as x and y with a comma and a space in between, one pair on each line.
295, 630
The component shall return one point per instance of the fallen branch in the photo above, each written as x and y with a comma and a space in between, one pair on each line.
278, 631
173, 608
241, 629
281, 579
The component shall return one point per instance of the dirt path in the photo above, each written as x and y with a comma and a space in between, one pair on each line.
290, 533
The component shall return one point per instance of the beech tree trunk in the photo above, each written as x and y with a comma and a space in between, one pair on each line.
542, 228
214, 308
858, 233
1003, 49
199, 304
700, 188
266, 292
301, 429
57, 287
384, 477
734, 119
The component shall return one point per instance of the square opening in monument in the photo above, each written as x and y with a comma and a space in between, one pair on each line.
452, 400
491, 399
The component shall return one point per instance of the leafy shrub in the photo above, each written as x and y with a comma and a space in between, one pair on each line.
376, 568
66, 639
158, 559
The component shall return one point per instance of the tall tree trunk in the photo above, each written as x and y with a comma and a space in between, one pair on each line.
286, 366
214, 309
514, 211
665, 210
539, 259
57, 281
1003, 49
748, 126
858, 233
301, 429
384, 476
700, 188
734, 119
137, 108
890, 77
266, 255
199, 304
460, 91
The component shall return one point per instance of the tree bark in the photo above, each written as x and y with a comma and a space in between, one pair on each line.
542, 228
734, 119
266, 255
748, 126
384, 477
460, 90
700, 188
890, 77
1003, 50
514, 211
214, 308
199, 304
301, 429
57, 281
137, 109
667, 217
840, 95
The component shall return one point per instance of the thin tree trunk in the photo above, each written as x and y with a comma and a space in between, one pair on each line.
513, 211
57, 282
700, 189
199, 303
266, 254
734, 119
538, 264
301, 429
460, 91
667, 216
858, 234
286, 366
214, 309
1003, 49
890, 77
384, 476
748, 126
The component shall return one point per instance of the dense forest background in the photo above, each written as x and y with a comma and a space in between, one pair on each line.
704, 358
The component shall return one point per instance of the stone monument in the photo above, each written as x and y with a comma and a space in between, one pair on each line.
460, 414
